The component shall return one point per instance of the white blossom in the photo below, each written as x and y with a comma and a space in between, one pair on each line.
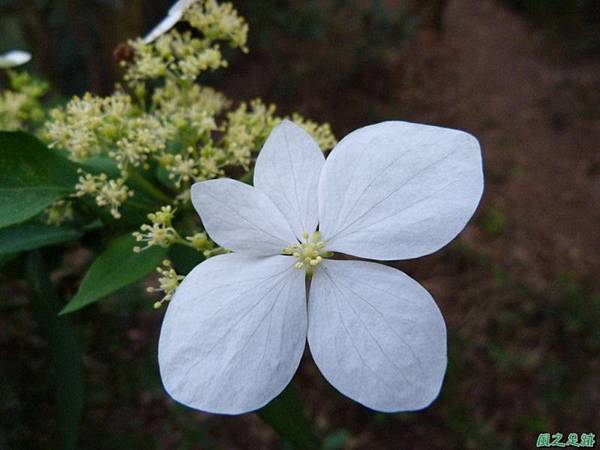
14, 58
173, 16
236, 328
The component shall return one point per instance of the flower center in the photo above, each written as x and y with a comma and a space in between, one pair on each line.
309, 253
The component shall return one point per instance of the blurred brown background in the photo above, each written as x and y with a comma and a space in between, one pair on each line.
519, 289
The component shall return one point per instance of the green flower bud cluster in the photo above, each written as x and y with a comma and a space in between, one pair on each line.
163, 123
20, 103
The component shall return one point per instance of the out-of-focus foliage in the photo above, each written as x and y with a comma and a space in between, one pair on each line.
577, 20
322, 46
21, 101
73, 41
329, 28
64, 349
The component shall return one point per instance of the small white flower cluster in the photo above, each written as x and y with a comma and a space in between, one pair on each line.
159, 232
218, 22
111, 193
182, 130
186, 55
144, 136
168, 282
191, 114
88, 125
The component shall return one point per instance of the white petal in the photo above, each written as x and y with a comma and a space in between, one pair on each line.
398, 190
180, 7
287, 170
164, 25
175, 14
241, 218
14, 58
234, 333
376, 335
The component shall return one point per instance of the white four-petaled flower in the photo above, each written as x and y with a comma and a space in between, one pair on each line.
235, 331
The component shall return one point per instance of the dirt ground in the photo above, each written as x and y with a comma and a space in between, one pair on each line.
536, 114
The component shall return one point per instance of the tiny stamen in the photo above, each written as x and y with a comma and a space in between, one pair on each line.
309, 253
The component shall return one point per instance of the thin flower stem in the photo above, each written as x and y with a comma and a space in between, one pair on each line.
216, 251
148, 188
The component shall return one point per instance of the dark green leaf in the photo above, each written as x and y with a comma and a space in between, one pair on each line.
194, 434
248, 178
184, 258
32, 177
286, 416
30, 236
101, 164
64, 349
5, 258
336, 440
114, 269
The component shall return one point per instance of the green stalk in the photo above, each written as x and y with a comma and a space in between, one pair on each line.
148, 188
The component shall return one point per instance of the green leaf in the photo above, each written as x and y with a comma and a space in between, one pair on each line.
64, 350
114, 269
32, 177
285, 414
5, 258
184, 258
101, 164
336, 440
31, 236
